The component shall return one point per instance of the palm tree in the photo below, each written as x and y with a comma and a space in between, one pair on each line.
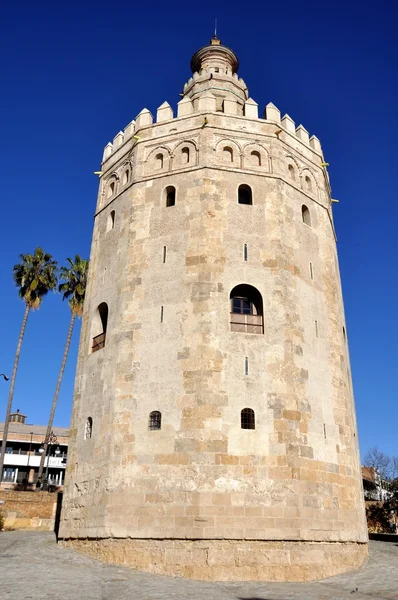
73, 280
34, 277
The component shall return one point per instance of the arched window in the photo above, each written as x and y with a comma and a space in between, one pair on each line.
126, 177
227, 154
305, 213
255, 158
111, 220
247, 419
245, 195
292, 173
100, 326
308, 184
111, 188
88, 430
159, 161
170, 193
185, 155
246, 309
155, 420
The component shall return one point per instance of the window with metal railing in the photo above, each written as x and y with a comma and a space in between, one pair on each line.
155, 420
246, 309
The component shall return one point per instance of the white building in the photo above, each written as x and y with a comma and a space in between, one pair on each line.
24, 449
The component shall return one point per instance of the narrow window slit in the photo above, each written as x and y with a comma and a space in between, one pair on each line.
161, 314
246, 366
311, 271
316, 328
164, 253
324, 430
245, 252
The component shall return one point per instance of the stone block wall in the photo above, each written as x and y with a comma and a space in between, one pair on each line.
28, 510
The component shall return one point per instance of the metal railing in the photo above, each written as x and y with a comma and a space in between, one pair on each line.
246, 323
98, 342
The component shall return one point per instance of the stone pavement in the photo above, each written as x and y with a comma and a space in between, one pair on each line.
34, 567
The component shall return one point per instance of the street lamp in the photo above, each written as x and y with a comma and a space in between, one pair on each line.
50, 440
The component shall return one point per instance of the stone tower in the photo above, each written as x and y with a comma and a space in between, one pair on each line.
213, 432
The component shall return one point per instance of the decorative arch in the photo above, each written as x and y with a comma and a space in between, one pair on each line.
111, 187
125, 173
246, 309
233, 149
256, 156
292, 169
185, 154
308, 182
159, 159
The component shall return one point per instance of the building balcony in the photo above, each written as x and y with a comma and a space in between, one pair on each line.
246, 323
98, 342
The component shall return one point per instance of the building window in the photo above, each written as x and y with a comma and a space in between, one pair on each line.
227, 154
245, 195
255, 158
305, 213
185, 155
170, 193
247, 419
100, 324
161, 314
111, 188
155, 420
292, 173
246, 365
308, 184
111, 220
311, 271
245, 252
246, 309
159, 161
164, 253
88, 431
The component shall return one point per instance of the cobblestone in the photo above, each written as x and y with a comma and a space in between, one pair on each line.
34, 567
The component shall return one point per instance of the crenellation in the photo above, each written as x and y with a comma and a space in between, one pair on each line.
184, 107
302, 134
107, 151
315, 144
143, 119
271, 113
164, 112
288, 124
129, 130
251, 109
118, 140
207, 102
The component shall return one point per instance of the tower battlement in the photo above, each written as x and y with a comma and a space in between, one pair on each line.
213, 431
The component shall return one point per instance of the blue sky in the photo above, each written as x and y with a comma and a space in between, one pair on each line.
74, 74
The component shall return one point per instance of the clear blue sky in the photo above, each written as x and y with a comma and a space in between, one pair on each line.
74, 73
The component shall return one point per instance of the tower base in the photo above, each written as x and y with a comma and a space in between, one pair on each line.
228, 560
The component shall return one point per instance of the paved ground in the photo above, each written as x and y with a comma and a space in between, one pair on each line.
33, 567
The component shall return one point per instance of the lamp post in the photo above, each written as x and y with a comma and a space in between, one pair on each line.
50, 440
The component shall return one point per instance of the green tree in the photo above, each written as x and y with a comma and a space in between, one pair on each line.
73, 281
34, 277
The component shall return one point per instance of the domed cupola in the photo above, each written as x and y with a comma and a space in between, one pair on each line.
214, 69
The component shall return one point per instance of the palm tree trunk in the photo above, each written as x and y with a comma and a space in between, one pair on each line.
55, 399
11, 392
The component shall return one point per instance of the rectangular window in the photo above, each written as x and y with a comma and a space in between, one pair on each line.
246, 366
164, 253
245, 252
161, 314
